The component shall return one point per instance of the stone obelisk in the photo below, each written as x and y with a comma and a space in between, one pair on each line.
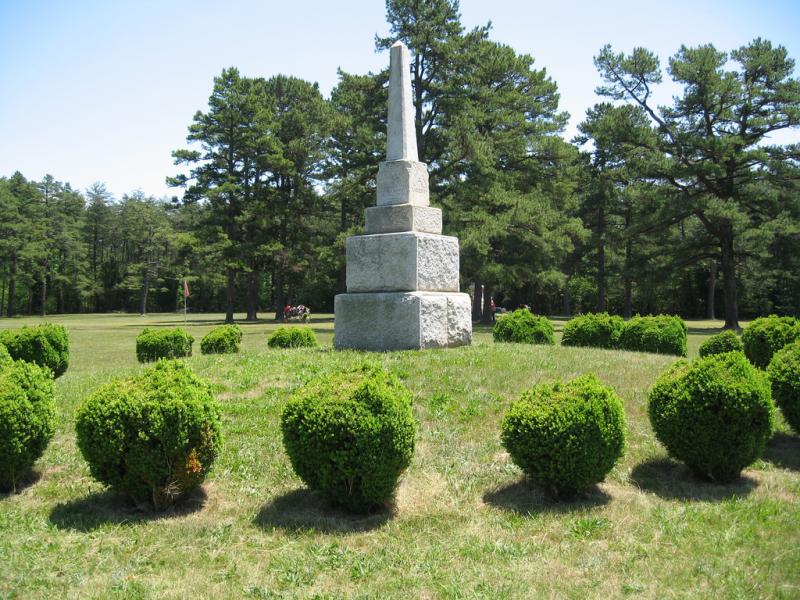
402, 275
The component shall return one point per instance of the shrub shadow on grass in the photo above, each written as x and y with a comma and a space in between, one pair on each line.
110, 508
27, 480
783, 450
524, 498
303, 510
672, 480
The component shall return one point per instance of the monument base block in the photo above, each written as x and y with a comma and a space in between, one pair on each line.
402, 320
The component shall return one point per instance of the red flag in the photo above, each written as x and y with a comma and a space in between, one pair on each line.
185, 288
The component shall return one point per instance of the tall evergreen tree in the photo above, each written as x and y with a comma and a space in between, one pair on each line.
712, 145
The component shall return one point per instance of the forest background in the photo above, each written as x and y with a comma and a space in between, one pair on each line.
691, 208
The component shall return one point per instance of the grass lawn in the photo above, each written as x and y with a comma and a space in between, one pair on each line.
465, 525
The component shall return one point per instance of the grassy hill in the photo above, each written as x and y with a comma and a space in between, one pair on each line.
465, 525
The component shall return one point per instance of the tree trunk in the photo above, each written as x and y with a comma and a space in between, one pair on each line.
3, 297
487, 305
252, 296
565, 300
230, 295
601, 259
280, 299
145, 292
729, 279
477, 299
44, 294
627, 303
712, 288
12, 286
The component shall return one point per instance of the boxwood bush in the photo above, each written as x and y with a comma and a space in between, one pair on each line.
5, 357
152, 437
597, 330
726, 341
662, 334
350, 436
27, 417
566, 436
46, 345
766, 335
292, 337
715, 414
224, 339
784, 373
153, 344
523, 327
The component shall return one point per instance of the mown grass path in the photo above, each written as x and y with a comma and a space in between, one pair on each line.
465, 526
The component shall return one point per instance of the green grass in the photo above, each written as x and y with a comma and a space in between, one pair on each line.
465, 525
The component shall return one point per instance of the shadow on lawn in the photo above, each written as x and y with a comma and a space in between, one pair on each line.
110, 508
783, 450
303, 510
674, 481
524, 498
30, 478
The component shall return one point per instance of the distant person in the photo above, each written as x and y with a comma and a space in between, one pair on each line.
492, 308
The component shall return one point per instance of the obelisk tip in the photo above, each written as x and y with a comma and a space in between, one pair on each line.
402, 135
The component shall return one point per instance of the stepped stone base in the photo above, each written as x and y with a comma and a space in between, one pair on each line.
393, 218
402, 262
402, 320
403, 182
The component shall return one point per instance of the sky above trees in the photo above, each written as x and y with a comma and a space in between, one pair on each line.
105, 91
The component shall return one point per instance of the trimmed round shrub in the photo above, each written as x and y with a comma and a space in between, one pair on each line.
726, 341
784, 373
715, 414
5, 357
224, 339
523, 327
350, 436
766, 335
152, 437
597, 330
292, 337
566, 437
154, 344
663, 334
46, 345
27, 418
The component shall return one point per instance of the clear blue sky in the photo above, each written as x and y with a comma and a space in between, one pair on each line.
104, 91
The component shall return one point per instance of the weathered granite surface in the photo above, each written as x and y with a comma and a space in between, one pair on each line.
403, 217
403, 182
407, 261
402, 320
402, 277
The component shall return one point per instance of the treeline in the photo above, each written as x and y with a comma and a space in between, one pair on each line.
689, 208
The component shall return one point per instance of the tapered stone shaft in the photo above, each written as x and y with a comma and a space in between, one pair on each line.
402, 135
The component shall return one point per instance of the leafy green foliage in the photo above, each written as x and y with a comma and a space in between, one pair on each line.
663, 334
292, 337
350, 435
597, 330
784, 373
222, 340
27, 417
715, 414
710, 150
153, 437
5, 357
566, 436
47, 345
523, 327
766, 335
153, 344
726, 341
